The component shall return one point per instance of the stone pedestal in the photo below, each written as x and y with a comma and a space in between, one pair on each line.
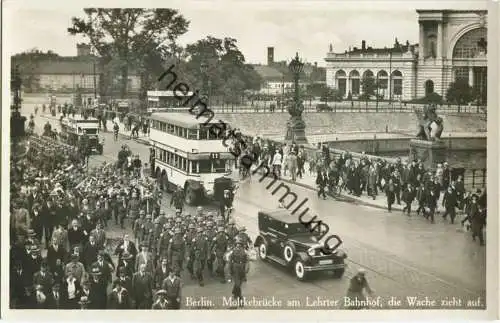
296, 131
430, 153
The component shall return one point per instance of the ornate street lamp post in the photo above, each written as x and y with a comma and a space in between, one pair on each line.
204, 69
296, 125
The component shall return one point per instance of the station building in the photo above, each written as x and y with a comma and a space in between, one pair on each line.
452, 45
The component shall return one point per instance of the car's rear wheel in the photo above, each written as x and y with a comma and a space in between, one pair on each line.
300, 272
262, 251
338, 273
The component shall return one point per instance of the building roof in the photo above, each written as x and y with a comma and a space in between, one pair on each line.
268, 73
282, 215
67, 66
183, 119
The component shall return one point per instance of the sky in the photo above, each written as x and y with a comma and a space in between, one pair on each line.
289, 26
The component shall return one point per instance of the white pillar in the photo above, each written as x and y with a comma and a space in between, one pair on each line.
439, 53
348, 87
421, 41
471, 76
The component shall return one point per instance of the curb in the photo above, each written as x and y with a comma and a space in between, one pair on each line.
139, 140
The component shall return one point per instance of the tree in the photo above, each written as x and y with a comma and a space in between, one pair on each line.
459, 92
129, 34
226, 67
369, 87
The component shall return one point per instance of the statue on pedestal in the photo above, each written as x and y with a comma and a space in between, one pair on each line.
430, 126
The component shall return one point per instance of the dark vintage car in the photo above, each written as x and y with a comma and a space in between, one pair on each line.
286, 241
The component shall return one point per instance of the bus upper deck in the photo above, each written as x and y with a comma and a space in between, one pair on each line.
164, 101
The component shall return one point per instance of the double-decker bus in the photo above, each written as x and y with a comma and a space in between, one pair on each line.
166, 101
189, 156
75, 130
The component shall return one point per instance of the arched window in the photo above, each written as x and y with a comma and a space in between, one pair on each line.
382, 79
397, 82
471, 43
341, 81
367, 73
429, 87
355, 82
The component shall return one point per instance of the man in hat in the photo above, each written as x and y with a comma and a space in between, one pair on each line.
477, 218
75, 268
33, 263
139, 226
355, 293
148, 232
219, 246
450, 202
125, 278
76, 236
173, 288
244, 238
198, 254
161, 272
89, 252
134, 205
161, 302
54, 252
189, 239
164, 241
142, 288
44, 278
105, 268
232, 231
98, 287
61, 234
122, 207
178, 199
126, 246
238, 261
119, 298
100, 236
20, 282
210, 233
176, 251
144, 258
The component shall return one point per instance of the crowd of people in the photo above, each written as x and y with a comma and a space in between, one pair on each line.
62, 250
398, 181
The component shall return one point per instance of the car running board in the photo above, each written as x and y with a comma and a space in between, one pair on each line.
278, 260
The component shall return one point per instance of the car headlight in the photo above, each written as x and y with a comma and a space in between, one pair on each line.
311, 252
341, 254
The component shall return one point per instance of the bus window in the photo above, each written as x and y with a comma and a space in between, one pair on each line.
212, 135
205, 166
192, 134
196, 167
219, 165
170, 128
184, 133
203, 133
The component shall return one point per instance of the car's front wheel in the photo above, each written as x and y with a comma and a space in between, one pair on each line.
300, 272
262, 251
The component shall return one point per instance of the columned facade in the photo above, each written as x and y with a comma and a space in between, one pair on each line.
452, 46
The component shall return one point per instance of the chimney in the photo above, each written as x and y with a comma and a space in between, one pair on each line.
363, 45
82, 50
270, 56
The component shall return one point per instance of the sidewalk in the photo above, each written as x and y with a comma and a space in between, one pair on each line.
308, 181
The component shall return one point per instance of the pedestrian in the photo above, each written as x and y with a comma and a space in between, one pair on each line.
321, 181
450, 202
408, 197
390, 192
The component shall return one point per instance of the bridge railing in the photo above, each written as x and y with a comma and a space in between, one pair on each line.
346, 106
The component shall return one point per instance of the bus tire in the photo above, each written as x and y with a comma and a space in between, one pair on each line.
189, 194
164, 181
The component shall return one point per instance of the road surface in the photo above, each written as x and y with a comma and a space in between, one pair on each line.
410, 263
